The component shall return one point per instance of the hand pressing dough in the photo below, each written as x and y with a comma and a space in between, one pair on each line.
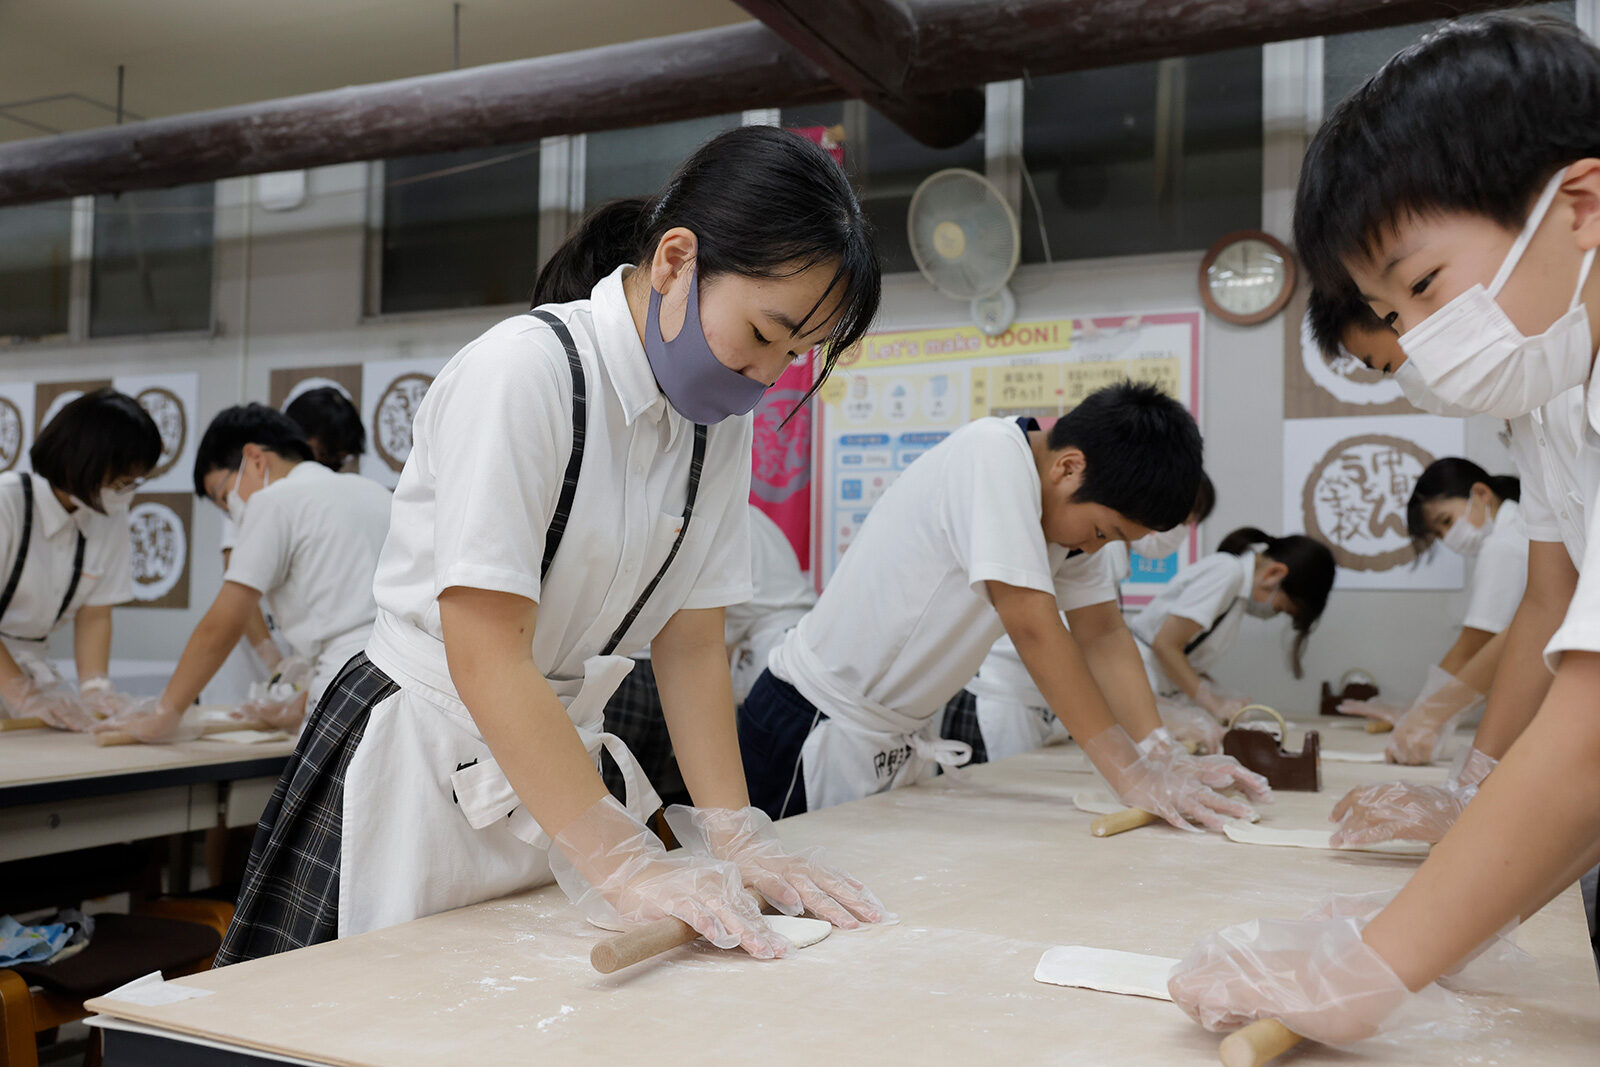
1104, 802
1246, 834
1106, 969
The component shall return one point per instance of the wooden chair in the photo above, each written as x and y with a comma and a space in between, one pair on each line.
174, 936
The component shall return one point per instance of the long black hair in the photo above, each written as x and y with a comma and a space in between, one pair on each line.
100, 438
1451, 478
762, 203
1307, 584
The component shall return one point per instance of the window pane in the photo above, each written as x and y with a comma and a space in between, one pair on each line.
35, 269
1349, 59
638, 161
887, 164
152, 261
1148, 157
460, 238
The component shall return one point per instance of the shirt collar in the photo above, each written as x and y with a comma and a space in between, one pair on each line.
622, 353
52, 516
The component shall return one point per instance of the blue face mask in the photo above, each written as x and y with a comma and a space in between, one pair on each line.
694, 381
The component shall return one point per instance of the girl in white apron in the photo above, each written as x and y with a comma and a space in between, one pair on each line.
308, 543
1475, 515
66, 554
1185, 630
577, 490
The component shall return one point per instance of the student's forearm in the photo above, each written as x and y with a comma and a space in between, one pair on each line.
91, 641
691, 667
488, 645
8, 666
1467, 644
208, 646
1053, 659
255, 629
1534, 815
1521, 680
1479, 671
1118, 670
1176, 666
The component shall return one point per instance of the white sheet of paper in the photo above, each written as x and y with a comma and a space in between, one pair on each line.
151, 991
1246, 834
1106, 969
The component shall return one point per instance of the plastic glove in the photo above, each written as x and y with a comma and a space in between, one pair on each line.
1189, 724
56, 707
1159, 777
1381, 710
1222, 706
1421, 736
791, 881
1317, 978
1409, 811
284, 714
150, 721
1496, 964
268, 653
99, 699
619, 874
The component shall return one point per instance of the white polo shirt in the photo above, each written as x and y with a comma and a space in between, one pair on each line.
906, 619
782, 597
1557, 456
1500, 572
490, 445
309, 544
47, 572
1210, 593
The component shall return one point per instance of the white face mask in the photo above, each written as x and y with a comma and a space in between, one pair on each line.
236, 502
1469, 353
1465, 538
1409, 379
1159, 544
117, 499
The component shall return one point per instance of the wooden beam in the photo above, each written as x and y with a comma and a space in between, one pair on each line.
958, 44
867, 47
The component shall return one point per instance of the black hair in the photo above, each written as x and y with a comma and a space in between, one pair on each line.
1475, 118
222, 446
1205, 501
330, 423
1451, 478
98, 439
1332, 312
762, 203
1307, 583
1141, 453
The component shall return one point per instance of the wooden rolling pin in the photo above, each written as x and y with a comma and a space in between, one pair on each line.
1257, 1044
106, 740
1378, 726
29, 723
1126, 819
651, 939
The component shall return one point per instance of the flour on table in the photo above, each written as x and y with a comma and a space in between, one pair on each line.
798, 929
1106, 969
1247, 834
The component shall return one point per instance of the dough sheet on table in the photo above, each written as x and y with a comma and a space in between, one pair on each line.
1106, 969
1248, 834
1335, 755
804, 932
1105, 802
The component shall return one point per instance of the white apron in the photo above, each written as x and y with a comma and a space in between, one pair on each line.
866, 748
430, 821
1011, 728
330, 660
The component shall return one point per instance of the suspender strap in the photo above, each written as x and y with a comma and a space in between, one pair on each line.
22, 544
1199, 639
580, 426
77, 573
696, 463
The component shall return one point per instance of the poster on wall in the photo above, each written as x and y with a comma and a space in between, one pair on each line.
173, 401
1346, 482
393, 389
16, 425
901, 393
780, 475
1316, 388
50, 397
286, 383
160, 527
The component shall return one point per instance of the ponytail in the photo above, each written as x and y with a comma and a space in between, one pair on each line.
1451, 478
607, 237
1307, 583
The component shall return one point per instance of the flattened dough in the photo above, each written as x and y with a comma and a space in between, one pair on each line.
1335, 755
802, 931
1104, 802
1247, 834
1105, 969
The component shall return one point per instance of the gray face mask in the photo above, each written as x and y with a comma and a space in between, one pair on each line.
1260, 610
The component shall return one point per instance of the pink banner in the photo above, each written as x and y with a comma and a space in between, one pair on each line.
780, 477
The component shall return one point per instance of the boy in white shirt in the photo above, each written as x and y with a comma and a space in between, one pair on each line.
308, 541
993, 531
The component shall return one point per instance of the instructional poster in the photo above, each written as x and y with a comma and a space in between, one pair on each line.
900, 394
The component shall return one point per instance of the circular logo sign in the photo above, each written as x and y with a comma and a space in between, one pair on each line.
1346, 378
159, 549
1354, 500
167, 410
782, 457
391, 419
62, 400
10, 434
305, 385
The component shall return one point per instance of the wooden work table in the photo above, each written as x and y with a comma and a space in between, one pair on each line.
59, 791
986, 874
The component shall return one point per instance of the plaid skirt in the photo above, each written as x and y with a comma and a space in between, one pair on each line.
634, 714
961, 724
290, 897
